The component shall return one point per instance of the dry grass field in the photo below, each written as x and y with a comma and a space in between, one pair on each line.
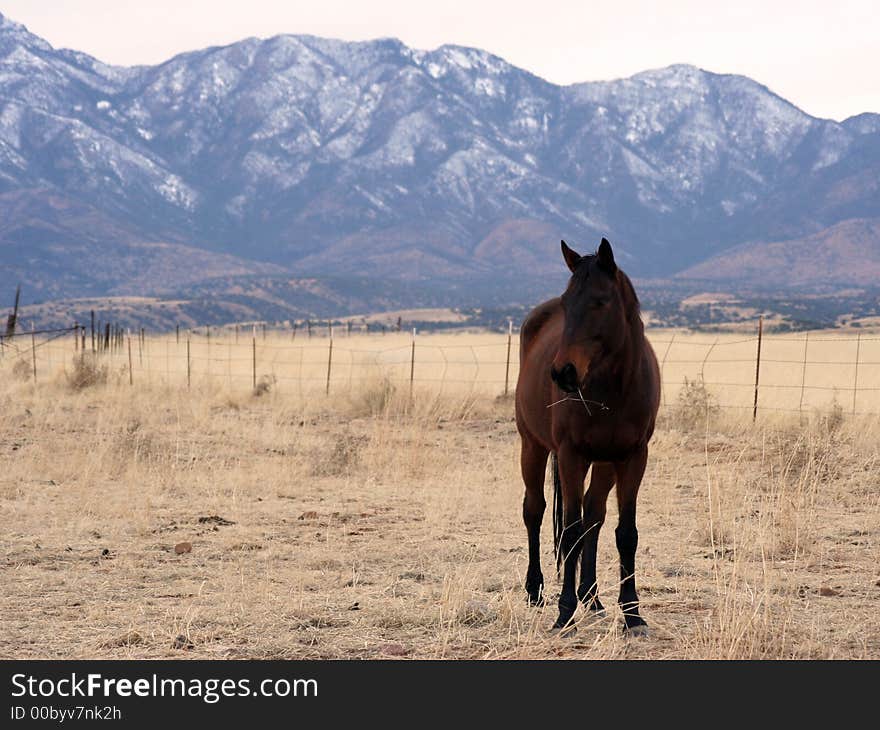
374, 523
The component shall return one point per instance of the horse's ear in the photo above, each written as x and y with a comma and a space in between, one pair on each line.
572, 257
605, 257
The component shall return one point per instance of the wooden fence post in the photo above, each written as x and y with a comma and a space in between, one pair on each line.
34, 351
93, 330
758, 367
412, 363
130, 367
188, 366
293, 336
507, 367
76, 336
329, 358
856, 379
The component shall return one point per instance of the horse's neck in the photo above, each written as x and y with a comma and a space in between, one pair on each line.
620, 379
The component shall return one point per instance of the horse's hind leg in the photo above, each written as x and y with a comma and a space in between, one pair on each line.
629, 478
601, 482
533, 459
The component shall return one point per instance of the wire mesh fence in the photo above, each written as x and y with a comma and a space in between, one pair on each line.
792, 373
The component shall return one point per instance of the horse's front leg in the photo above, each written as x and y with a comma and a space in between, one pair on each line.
572, 472
601, 482
629, 478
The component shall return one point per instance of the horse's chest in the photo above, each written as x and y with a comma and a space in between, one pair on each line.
602, 440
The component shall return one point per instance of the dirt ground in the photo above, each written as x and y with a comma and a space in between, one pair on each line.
370, 526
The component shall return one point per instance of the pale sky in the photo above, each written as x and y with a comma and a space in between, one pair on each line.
823, 56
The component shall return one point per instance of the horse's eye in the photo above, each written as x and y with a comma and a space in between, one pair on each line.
598, 302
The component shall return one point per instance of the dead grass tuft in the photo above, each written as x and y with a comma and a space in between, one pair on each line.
264, 385
87, 372
694, 407
22, 369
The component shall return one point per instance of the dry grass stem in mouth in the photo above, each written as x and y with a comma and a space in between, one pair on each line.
154, 521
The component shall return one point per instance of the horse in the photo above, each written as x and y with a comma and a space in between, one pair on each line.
588, 393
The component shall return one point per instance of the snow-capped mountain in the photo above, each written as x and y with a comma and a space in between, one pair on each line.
329, 157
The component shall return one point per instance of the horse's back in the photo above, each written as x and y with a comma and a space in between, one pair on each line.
536, 322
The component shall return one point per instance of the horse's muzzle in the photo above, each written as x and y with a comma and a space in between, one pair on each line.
566, 378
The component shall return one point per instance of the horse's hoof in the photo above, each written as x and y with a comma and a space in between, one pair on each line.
598, 613
639, 631
536, 601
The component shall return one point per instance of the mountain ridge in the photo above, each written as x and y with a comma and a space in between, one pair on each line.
324, 157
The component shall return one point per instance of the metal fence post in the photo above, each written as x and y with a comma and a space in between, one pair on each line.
804, 371
507, 366
856, 379
663, 366
329, 358
758, 367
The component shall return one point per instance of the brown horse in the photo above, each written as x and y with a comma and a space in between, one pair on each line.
588, 392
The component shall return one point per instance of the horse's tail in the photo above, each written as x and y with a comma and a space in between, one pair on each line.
558, 517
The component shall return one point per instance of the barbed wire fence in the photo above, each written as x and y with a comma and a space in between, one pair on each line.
790, 373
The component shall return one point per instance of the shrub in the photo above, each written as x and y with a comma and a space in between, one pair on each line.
264, 385
694, 405
87, 372
22, 370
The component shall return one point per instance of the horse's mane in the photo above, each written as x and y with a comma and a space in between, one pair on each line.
631, 304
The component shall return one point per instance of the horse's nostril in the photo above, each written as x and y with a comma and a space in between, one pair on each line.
566, 378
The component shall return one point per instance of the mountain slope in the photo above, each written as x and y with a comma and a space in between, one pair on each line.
847, 253
331, 158
74, 250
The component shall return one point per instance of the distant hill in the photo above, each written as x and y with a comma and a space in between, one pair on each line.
846, 254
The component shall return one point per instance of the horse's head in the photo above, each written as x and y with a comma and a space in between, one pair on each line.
595, 305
